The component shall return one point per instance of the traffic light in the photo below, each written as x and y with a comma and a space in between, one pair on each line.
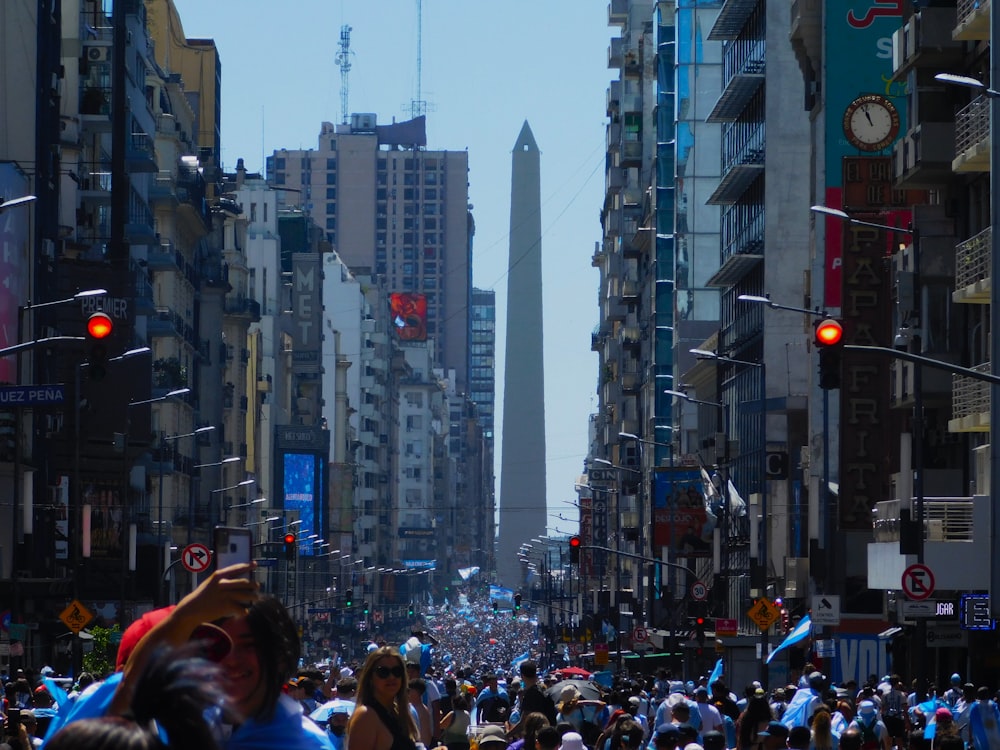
574, 550
364, 609
496, 607
699, 630
289, 542
517, 601
409, 611
99, 327
829, 338
349, 598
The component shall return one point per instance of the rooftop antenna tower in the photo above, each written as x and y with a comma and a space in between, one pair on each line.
417, 105
343, 59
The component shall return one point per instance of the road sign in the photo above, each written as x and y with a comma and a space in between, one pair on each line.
946, 636
32, 395
726, 626
601, 653
826, 609
76, 616
764, 613
196, 558
640, 635
699, 591
918, 582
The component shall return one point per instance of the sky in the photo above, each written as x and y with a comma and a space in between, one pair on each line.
486, 67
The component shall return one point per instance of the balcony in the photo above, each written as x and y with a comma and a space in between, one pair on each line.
731, 19
922, 158
95, 183
973, 269
956, 541
243, 307
616, 52
164, 257
972, 20
970, 402
632, 153
140, 154
925, 41
614, 98
972, 137
631, 336
617, 12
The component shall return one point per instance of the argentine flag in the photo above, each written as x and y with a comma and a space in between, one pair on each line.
716, 674
984, 725
799, 633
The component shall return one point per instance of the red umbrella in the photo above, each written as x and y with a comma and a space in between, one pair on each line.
573, 672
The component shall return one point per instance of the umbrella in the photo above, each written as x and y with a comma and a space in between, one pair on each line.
588, 690
337, 705
568, 672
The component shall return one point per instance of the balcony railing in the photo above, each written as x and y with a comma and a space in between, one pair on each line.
973, 20
972, 136
973, 266
946, 519
970, 402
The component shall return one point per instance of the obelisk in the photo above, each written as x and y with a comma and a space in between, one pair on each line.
522, 468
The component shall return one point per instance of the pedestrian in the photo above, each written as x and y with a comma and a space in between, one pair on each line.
533, 698
382, 719
174, 689
454, 727
874, 735
984, 722
823, 736
754, 720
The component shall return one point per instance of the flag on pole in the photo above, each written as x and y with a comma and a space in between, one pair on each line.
716, 674
799, 633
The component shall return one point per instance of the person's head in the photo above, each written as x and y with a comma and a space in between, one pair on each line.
570, 741
688, 734
713, 740
867, 713
568, 699
418, 686
460, 703
983, 693
412, 670
383, 680
701, 695
850, 739
666, 737
531, 724
943, 718
776, 735
174, 690
337, 723
630, 733
29, 721
490, 681
347, 687
799, 738
264, 654
956, 680
681, 712
822, 723
547, 738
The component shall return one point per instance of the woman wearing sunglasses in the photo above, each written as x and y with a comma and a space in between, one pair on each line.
382, 719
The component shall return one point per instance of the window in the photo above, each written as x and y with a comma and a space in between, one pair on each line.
331, 208
430, 223
331, 193
279, 163
414, 422
415, 398
331, 178
331, 163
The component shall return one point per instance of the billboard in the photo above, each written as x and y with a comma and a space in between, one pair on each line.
409, 315
681, 519
300, 482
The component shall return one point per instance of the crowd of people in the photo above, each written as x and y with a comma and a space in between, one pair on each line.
222, 670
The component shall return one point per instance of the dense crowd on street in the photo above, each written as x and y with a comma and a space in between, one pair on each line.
222, 669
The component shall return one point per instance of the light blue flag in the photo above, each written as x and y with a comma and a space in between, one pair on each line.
716, 673
797, 712
799, 633
518, 659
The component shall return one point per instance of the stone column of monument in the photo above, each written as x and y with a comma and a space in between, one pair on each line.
522, 469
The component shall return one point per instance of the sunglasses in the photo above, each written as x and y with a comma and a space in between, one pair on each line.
383, 672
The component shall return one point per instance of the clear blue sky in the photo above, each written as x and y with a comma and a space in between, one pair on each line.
487, 67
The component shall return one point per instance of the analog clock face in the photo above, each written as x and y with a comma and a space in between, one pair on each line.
871, 122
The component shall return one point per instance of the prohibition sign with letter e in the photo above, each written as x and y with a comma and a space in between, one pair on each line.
918, 582
196, 558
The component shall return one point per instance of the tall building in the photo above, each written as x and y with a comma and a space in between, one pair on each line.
482, 356
522, 470
388, 205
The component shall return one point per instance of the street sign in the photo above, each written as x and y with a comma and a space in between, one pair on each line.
196, 558
826, 609
923, 609
601, 653
32, 395
699, 591
946, 636
725, 626
918, 582
976, 612
640, 635
76, 616
764, 613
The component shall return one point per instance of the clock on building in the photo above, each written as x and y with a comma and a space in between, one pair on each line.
871, 122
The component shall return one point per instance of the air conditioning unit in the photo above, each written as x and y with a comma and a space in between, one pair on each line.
97, 52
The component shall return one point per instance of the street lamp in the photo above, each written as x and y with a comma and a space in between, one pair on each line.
16, 202
762, 526
159, 513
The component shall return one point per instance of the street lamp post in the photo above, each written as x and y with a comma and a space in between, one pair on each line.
762, 533
225, 509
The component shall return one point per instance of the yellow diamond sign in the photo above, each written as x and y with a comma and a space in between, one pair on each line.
764, 613
76, 616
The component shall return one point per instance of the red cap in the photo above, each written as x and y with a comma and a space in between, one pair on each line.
135, 632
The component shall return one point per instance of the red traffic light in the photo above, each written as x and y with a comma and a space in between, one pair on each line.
699, 621
574, 541
829, 332
99, 326
289, 538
